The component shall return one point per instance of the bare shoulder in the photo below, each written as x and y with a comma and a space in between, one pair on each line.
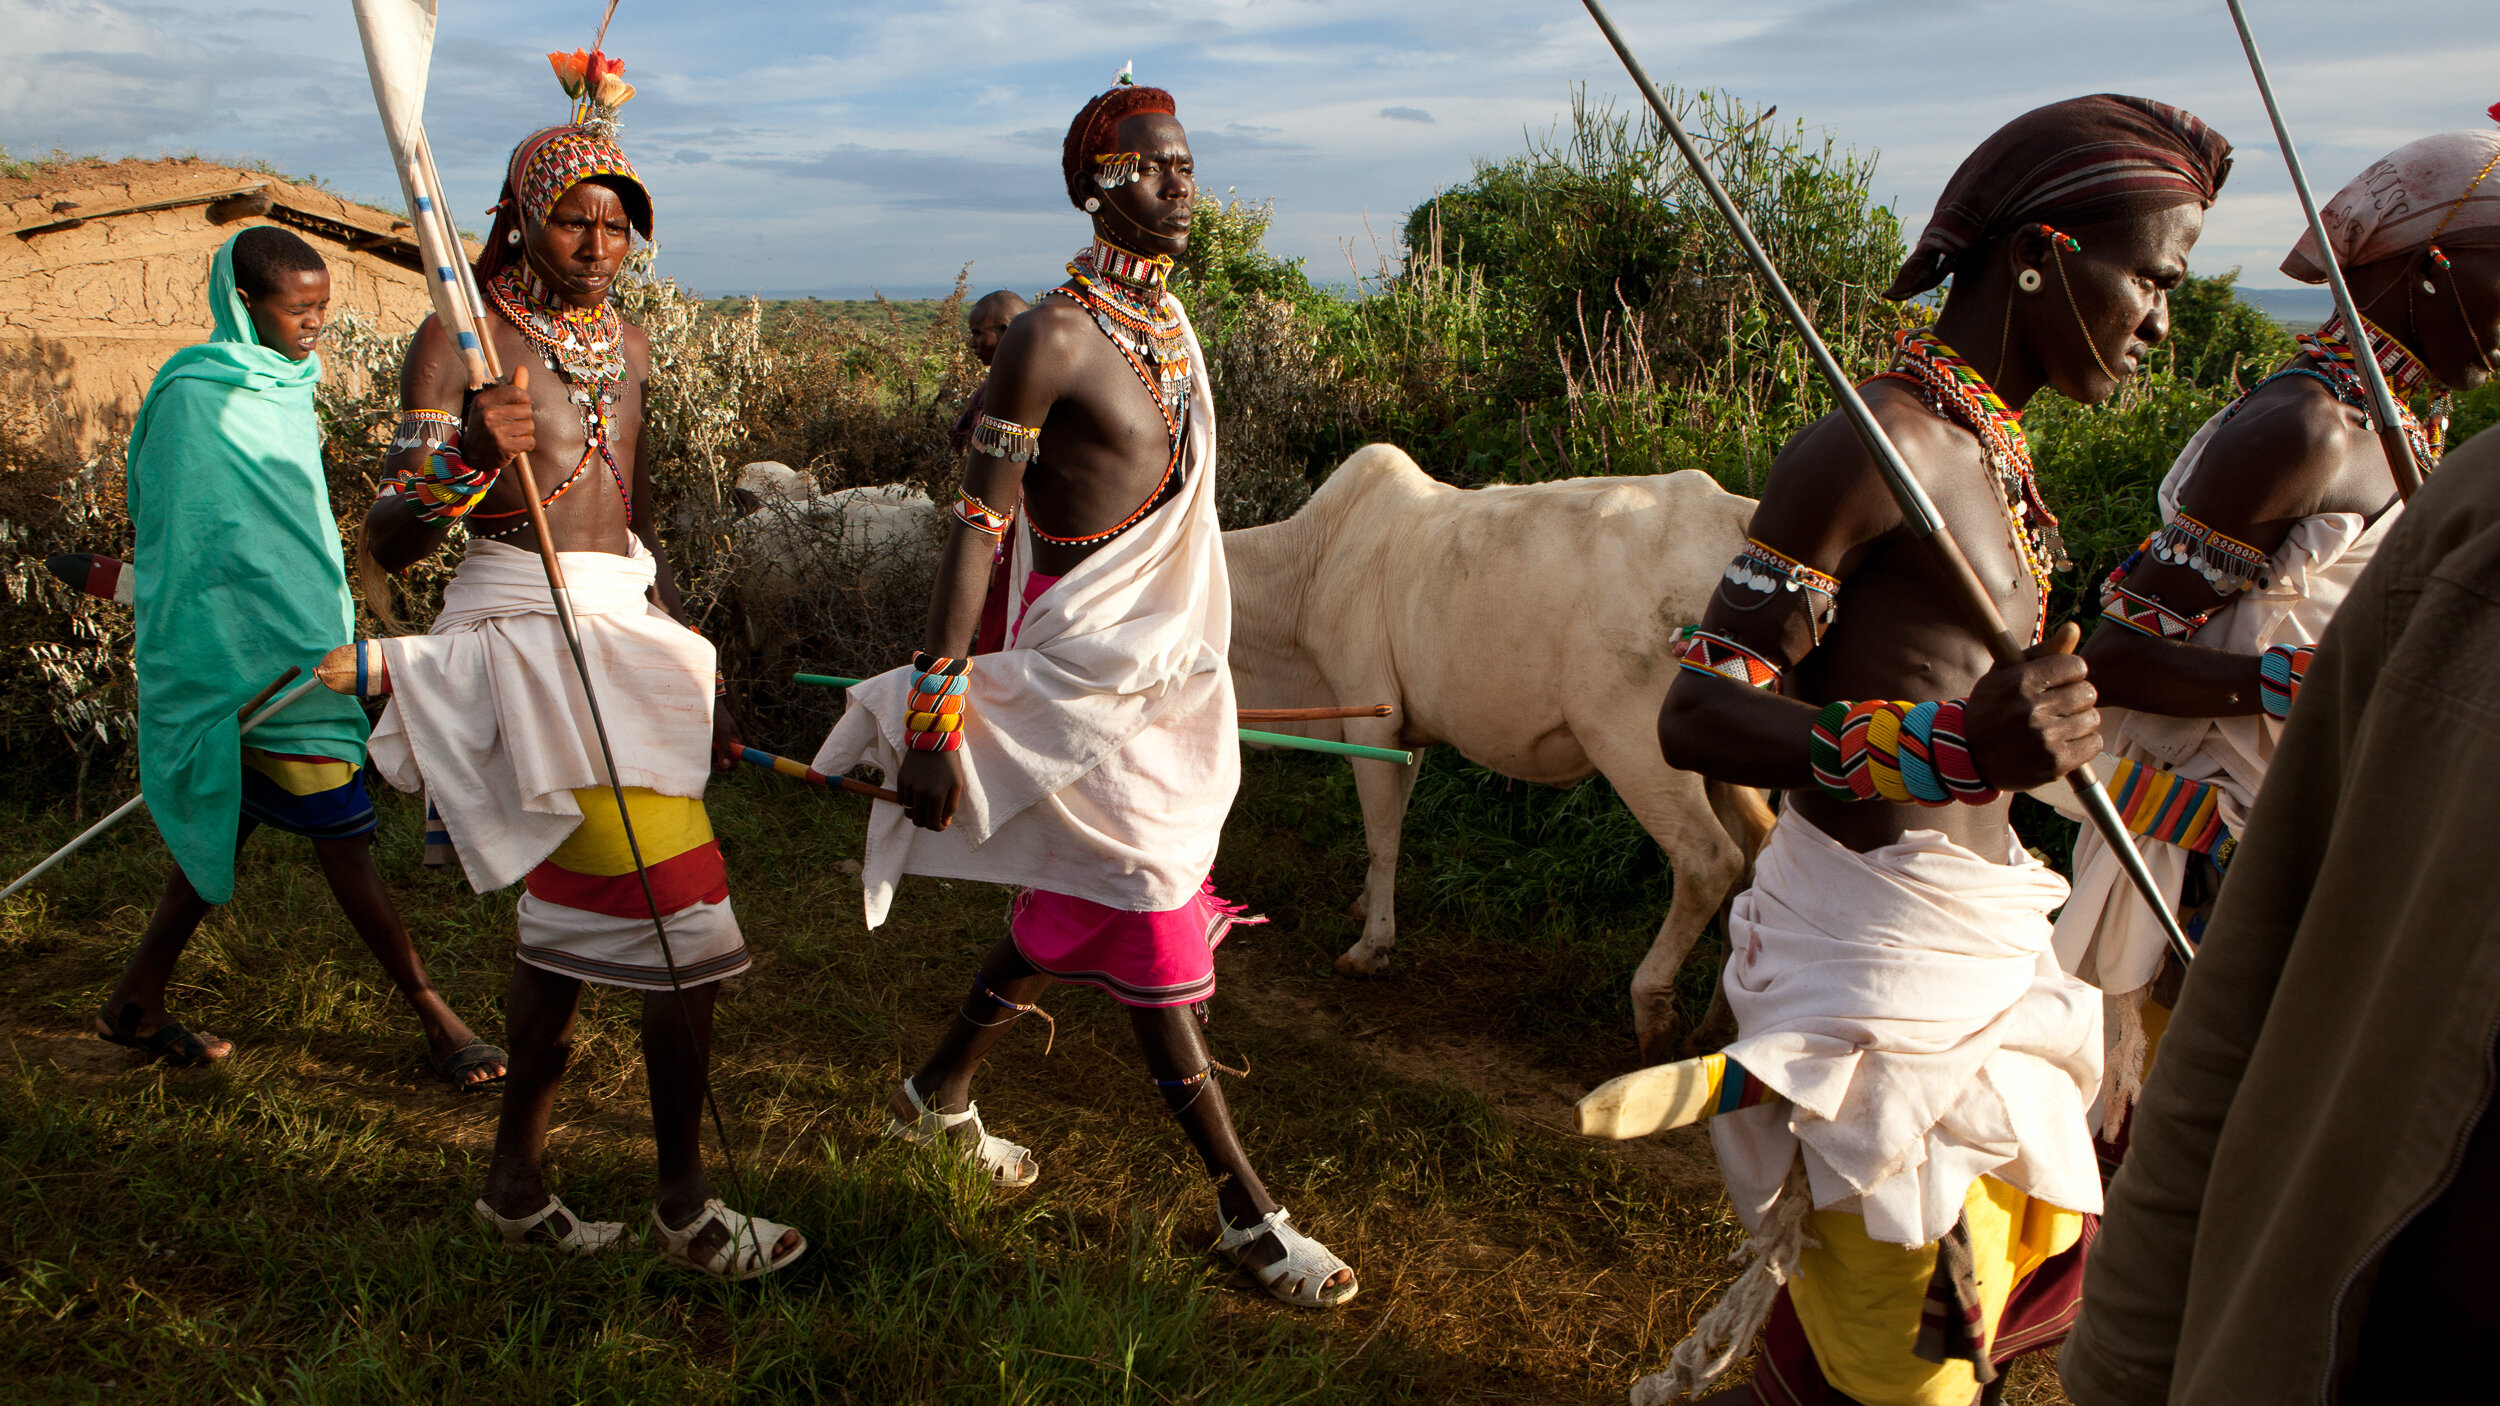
638, 350
2278, 458
1046, 327
1031, 369
1826, 497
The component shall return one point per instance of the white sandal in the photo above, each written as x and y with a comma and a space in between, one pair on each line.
745, 1251
578, 1237
1008, 1165
1308, 1263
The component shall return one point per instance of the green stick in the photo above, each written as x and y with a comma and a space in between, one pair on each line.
1314, 744
1264, 739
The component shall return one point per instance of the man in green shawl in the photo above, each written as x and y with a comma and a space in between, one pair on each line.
239, 575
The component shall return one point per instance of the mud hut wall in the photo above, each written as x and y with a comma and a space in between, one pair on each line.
87, 314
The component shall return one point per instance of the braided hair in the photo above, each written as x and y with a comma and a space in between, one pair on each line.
1097, 126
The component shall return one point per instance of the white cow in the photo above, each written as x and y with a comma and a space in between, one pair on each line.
792, 540
1528, 626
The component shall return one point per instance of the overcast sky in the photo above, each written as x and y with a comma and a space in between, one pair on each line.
833, 148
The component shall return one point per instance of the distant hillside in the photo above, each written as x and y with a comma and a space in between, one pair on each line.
2296, 308
786, 318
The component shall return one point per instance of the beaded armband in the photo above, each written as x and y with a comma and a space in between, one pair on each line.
1906, 753
980, 516
425, 429
936, 719
2279, 672
2121, 604
1005, 439
448, 487
1761, 573
2228, 564
1708, 652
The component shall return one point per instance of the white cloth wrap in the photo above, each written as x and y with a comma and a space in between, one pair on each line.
2107, 935
487, 717
1099, 754
1906, 1003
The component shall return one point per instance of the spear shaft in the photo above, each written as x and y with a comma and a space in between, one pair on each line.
2391, 425
1919, 511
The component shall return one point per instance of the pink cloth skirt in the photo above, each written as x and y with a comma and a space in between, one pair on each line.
1141, 959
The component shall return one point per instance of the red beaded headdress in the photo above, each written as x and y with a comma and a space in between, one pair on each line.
1093, 134
550, 162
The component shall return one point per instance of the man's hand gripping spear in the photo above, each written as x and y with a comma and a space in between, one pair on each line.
1686, 1091
398, 41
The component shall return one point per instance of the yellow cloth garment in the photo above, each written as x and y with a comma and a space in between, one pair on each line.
1859, 1299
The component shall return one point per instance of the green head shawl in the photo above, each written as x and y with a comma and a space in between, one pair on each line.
241, 573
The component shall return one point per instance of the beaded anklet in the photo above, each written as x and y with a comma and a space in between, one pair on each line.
936, 719
1905, 753
1021, 1009
2279, 672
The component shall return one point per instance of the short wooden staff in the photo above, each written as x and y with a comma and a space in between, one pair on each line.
800, 771
1263, 739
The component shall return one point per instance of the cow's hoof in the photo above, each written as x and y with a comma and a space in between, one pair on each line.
1656, 1031
1348, 964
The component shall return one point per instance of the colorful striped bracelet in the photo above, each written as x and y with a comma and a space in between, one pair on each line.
2279, 672
935, 720
1904, 753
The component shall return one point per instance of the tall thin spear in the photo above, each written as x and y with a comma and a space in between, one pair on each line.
2391, 425
1917, 509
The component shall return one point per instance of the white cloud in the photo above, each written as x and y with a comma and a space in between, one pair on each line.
814, 147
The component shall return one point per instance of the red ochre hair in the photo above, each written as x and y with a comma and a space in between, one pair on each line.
1096, 126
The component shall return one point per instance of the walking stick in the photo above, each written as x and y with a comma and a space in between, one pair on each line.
398, 39
245, 715
1917, 509
2391, 425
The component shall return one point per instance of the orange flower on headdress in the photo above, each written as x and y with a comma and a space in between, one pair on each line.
595, 74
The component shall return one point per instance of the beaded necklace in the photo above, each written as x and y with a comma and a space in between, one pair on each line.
1954, 390
584, 346
1125, 293
2331, 347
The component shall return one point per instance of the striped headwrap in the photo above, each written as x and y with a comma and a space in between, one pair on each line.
543, 167
2077, 162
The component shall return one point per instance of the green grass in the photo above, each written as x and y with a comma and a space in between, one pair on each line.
291, 1225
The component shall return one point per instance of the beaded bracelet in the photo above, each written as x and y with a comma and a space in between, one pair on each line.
1708, 652
1905, 753
2279, 672
936, 719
